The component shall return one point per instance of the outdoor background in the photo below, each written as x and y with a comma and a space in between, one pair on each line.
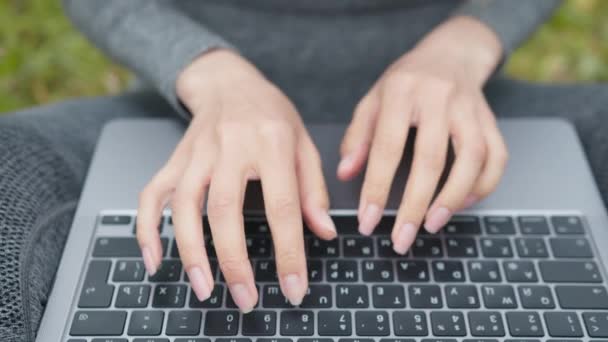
43, 59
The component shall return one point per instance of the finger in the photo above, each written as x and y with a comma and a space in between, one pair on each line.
430, 150
224, 210
282, 205
385, 155
470, 149
313, 191
152, 201
356, 141
154, 198
497, 156
187, 205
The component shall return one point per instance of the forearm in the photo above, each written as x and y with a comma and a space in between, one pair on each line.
511, 20
150, 37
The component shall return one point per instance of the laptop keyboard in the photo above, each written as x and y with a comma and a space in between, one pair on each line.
483, 278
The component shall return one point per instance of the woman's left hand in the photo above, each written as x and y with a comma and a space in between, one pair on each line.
437, 87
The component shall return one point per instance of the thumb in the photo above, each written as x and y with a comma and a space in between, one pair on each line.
358, 136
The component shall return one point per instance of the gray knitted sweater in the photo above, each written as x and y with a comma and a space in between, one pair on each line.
301, 45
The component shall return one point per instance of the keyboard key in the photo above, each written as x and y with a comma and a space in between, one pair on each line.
388, 296
567, 225
214, 301
372, 323
120, 247
462, 297
318, 248
571, 248
117, 339
273, 297
427, 247
531, 248
499, 297
425, 296
496, 248
563, 324
410, 323
111, 220
385, 248
582, 297
352, 296
145, 323
221, 323
128, 270
335, 323
297, 323
342, 271
317, 296
448, 323
463, 225
578, 272
184, 323
461, 247
169, 271
486, 324
520, 271
258, 246
448, 271
533, 225
484, 271
525, 324
260, 323
358, 247
256, 225
194, 339
98, 323
413, 271
499, 225
266, 271
596, 323
315, 270
169, 296
377, 271
536, 297
133, 296
96, 292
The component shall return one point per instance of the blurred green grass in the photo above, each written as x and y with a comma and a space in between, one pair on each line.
43, 59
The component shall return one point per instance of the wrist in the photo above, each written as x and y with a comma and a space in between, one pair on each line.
468, 43
211, 70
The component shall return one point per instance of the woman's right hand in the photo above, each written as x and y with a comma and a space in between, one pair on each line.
242, 128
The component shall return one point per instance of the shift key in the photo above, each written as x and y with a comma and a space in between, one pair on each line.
582, 297
570, 272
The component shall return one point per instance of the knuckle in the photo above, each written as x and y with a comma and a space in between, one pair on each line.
477, 149
387, 144
289, 260
283, 206
399, 80
375, 189
231, 131
431, 159
234, 265
502, 156
439, 86
221, 205
275, 131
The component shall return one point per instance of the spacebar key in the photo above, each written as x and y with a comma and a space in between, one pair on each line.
98, 323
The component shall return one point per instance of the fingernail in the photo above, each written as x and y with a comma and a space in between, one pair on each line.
293, 288
345, 164
242, 298
148, 261
369, 219
326, 222
399, 245
436, 219
469, 201
199, 283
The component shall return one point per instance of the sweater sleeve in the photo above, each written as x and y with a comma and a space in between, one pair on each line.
512, 20
150, 37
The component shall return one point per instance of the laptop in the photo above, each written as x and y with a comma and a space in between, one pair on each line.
526, 264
